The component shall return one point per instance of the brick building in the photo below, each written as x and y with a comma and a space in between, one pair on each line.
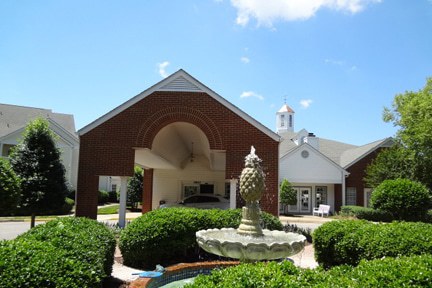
187, 137
323, 171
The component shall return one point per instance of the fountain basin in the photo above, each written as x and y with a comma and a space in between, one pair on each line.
272, 245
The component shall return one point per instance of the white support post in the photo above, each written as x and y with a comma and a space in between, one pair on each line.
122, 209
343, 189
233, 193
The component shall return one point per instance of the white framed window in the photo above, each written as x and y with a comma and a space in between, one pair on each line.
367, 196
282, 120
351, 196
320, 195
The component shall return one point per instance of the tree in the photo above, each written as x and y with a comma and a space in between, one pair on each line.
412, 113
288, 195
135, 187
36, 160
9, 188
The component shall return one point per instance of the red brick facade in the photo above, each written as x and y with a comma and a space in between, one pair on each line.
107, 149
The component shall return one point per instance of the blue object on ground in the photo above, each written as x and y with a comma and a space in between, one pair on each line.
148, 274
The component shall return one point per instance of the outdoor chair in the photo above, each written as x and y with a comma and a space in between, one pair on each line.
321, 210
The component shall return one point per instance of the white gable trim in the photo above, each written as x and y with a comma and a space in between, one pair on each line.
387, 142
302, 146
179, 81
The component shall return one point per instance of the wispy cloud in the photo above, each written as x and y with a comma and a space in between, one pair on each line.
245, 60
305, 103
248, 94
162, 68
342, 64
267, 12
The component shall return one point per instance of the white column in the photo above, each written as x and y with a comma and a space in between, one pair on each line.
233, 193
122, 209
343, 188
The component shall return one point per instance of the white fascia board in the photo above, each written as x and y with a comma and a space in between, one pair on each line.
63, 133
158, 87
387, 142
317, 152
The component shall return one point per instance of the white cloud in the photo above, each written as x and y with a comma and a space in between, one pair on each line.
305, 103
245, 60
269, 11
248, 94
162, 68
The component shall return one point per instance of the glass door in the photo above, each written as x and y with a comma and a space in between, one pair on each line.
303, 200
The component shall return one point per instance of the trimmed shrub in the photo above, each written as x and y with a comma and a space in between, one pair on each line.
82, 239
167, 236
112, 197
364, 213
404, 199
31, 263
390, 272
348, 241
103, 197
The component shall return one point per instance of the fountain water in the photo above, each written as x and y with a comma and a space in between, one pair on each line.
249, 242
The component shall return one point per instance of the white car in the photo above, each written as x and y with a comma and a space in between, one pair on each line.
203, 201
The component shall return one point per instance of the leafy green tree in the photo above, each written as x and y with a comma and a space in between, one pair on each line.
36, 160
288, 195
412, 113
135, 187
9, 188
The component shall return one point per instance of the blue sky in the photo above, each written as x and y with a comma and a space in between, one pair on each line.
337, 62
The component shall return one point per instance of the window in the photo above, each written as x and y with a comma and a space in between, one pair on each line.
114, 187
351, 196
320, 195
6, 150
290, 120
368, 194
282, 120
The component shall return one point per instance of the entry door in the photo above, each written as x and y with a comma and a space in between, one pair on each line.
303, 200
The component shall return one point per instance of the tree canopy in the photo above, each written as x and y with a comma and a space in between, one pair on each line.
411, 157
9, 188
36, 161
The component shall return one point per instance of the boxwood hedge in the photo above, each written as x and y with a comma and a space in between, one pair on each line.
415, 271
167, 236
369, 214
66, 252
348, 241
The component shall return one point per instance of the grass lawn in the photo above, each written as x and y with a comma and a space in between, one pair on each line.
111, 209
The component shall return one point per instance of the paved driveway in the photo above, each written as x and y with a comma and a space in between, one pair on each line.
10, 230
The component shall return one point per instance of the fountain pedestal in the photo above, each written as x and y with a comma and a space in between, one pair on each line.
249, 242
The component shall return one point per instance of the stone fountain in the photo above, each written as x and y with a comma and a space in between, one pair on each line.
249, 242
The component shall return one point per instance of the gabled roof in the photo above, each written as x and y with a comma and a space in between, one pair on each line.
13, 118
351, 156
179, 81
341, 153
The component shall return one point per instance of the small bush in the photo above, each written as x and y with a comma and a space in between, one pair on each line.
30, 263
167, 236
404, 199
390, 272
103, 197
348, 242
364, 213
112, 197
81, 239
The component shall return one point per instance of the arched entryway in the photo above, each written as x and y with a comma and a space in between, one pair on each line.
180, 163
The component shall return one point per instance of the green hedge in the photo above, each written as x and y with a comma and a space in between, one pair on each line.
364, 213
66, 252
103, 197
167, 236
412, 271
404, 199
348, 241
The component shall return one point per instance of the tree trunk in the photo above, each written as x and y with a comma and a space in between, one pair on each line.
33, 220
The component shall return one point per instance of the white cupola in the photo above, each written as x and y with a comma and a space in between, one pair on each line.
285, 119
